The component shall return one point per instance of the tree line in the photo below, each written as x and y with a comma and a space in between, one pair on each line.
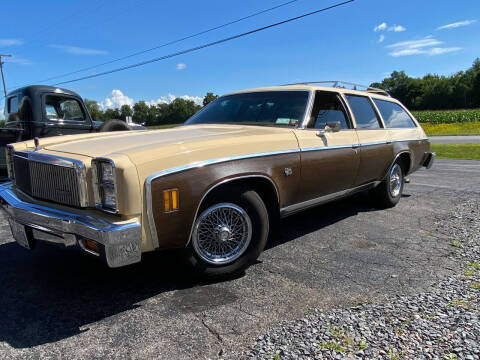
175, 112
434, 92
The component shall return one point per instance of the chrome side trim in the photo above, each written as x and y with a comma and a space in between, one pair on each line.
197, 164
373, 143
319, 148
122, 241
292, 209
395, 159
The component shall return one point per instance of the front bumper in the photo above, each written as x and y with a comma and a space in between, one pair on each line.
429, 160
120, 242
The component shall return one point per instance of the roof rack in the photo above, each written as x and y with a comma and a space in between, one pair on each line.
341, 84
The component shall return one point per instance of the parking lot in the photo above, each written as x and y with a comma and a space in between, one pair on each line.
61, 303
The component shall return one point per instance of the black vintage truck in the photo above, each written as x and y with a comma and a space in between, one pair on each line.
43, 111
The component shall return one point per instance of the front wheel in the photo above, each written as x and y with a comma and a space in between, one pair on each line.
229, 234
389, 192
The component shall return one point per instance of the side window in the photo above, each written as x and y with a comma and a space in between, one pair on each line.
63, 108
12, 105
362, 109
394, 115
327, 108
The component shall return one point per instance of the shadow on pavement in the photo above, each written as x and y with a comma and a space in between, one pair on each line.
51, 293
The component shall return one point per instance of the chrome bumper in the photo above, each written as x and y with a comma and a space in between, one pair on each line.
120, 242
429, 160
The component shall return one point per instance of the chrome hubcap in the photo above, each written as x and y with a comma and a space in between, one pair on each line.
395, 180
222, 233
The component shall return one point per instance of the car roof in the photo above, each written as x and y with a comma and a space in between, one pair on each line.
308, 87
38, 89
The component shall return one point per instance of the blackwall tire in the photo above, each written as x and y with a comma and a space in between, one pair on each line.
389, 192
114, 125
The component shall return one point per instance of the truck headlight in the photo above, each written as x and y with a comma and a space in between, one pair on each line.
105, 191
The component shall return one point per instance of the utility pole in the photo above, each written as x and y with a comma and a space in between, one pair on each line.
1, 70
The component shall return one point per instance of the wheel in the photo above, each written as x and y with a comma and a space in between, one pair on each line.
229, 234
389, 192
114, 125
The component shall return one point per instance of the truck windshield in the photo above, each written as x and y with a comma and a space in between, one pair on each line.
274, 108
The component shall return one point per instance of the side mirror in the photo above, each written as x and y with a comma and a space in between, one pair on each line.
332, 126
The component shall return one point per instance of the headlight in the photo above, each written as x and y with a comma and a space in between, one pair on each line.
9, 160
105, 184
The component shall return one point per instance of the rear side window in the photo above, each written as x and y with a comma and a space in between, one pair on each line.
63, 108
394, 115
362, 109
12, 105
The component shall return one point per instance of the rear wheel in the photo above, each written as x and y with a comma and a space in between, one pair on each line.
390, 190
229, 234
114, 125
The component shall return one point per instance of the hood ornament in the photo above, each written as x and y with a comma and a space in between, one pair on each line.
36, 141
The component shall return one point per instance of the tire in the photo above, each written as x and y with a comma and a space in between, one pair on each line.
239, 211
114, 125
389, 192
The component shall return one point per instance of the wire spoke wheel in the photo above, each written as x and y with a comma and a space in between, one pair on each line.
222, 233
395, 180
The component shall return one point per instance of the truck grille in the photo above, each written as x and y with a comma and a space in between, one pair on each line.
48, 181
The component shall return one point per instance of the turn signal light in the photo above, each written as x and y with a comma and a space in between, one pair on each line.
170, 200
92, 245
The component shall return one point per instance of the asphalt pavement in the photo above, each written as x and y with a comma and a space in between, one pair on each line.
60, 303
460, 139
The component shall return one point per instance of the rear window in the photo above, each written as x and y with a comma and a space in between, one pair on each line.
12, 106
362, 109
394, 115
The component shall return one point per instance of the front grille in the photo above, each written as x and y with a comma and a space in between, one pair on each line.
46, 181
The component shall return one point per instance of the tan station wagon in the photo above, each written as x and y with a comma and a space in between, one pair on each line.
214, 186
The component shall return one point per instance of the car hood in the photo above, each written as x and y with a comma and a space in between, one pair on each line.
144, 146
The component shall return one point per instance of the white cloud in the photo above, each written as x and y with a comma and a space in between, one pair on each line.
17, 60
10, 42
426, 46
383, 26
396, 28
78, 50
170, 97
380, 27
457, 24
381, 38
115, 100
181, 66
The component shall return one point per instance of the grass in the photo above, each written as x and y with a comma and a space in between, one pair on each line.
463, 128
457, 151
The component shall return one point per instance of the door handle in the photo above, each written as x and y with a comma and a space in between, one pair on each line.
355, 146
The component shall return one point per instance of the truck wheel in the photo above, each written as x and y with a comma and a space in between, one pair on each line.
229, 234
389, 192
114, 125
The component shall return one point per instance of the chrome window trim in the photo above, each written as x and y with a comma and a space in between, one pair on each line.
78, 165
197, 164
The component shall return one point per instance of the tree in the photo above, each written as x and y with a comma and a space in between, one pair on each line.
94, 109
125, 110
111, 114
140, 112
209, 98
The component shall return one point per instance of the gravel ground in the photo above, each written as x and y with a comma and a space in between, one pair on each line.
439, 324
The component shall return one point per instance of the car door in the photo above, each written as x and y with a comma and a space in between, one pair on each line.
376, 150
63, 115
329, 159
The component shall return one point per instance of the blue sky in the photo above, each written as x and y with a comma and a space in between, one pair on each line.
362, 42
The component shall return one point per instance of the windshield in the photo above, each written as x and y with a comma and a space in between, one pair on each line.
274, 108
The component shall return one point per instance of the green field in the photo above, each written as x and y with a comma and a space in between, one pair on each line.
457, 151
465, 128
448, 116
